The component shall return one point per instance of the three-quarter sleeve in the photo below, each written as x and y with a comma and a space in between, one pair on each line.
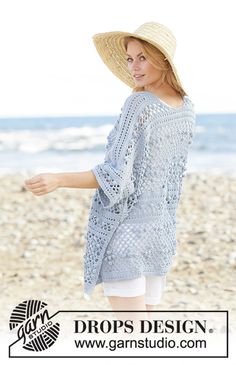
115, 174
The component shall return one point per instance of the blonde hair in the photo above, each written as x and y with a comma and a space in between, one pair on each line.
159, 61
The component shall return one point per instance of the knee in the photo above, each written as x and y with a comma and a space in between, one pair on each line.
127, 303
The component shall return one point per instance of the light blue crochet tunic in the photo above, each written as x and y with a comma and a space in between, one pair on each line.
132, 223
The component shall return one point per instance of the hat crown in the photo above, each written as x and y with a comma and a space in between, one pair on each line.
158, 35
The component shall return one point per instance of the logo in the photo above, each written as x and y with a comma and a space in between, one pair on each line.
34, 326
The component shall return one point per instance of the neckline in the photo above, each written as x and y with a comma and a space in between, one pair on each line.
163, 102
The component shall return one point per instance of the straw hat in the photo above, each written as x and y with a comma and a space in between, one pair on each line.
110, 46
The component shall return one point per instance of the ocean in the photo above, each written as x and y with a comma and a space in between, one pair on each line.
57, 144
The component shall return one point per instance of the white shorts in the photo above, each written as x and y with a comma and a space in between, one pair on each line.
152, 286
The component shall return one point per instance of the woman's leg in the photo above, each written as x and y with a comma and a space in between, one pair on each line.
132, 304
128, 303
155, 286
151, 315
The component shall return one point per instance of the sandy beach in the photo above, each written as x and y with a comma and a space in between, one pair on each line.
42, 247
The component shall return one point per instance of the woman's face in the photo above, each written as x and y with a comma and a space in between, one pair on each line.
143, 72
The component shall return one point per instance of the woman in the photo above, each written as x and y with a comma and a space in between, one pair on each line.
131, 233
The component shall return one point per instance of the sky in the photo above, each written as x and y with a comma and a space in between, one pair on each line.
49, 65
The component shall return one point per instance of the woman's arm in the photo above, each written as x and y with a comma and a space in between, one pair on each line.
82, 180
45, 183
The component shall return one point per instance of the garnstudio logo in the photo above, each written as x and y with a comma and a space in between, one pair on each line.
34, 325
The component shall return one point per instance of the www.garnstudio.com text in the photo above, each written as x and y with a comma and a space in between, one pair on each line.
146, 343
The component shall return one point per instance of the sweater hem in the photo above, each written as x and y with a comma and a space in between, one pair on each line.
88, 289
134, 275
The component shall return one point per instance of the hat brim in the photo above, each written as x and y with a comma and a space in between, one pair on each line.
111, 49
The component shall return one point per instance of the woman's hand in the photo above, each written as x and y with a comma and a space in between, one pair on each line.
42, 184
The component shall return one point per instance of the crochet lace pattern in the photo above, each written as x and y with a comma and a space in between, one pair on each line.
131, 228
